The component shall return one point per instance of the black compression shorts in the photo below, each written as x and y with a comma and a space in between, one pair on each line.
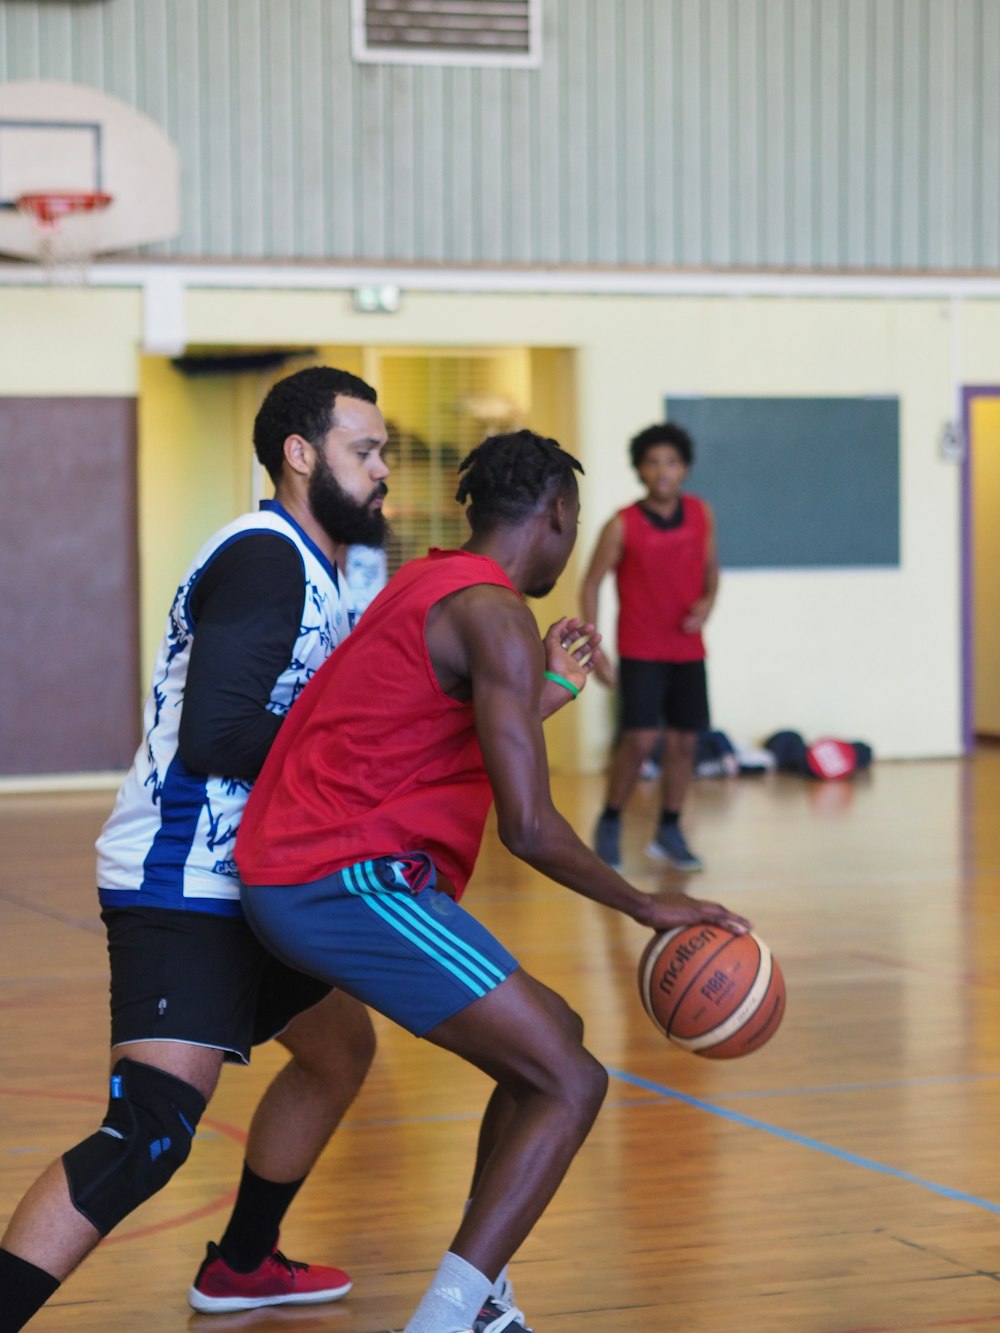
199, 979
657, 694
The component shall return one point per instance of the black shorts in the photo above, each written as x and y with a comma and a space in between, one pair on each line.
657, 694
199, 979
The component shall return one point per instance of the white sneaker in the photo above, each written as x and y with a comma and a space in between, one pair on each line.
494, 1317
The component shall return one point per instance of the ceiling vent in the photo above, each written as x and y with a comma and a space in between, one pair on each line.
448, 32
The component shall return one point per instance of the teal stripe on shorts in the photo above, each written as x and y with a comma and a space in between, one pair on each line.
417, 957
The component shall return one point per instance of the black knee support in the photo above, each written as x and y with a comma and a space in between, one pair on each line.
145, 1137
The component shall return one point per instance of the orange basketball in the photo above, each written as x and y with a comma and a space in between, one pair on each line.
712, 992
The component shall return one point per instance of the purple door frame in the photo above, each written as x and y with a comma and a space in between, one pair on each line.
969, 392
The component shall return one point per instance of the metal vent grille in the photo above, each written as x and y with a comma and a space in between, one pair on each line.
457, 32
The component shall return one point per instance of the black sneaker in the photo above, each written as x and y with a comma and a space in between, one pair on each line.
606, 838
670, 845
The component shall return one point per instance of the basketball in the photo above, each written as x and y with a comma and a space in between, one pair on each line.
712, 992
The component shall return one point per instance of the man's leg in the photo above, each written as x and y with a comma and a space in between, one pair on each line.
685, 707
496, 1118
47, 1233
678, 768
499, 1110
332, 1046
642, 687
527, 1039
418, 956
631, 752
669, 843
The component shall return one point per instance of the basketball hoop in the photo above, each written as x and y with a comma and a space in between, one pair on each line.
67, 226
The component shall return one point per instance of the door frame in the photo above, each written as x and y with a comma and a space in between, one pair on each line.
969, 393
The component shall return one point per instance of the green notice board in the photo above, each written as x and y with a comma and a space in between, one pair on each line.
797, 482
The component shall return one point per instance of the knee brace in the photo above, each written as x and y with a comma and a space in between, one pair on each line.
146, 1135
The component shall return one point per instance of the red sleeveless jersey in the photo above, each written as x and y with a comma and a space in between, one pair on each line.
661, 574
374, 758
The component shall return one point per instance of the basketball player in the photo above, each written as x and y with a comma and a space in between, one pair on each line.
662, 550
362, 831
260, 608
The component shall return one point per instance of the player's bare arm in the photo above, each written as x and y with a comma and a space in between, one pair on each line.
702, 609
606, 556
570, 648
492, 636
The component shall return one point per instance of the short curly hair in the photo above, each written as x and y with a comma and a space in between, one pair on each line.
663, 433
506, 476
302, 404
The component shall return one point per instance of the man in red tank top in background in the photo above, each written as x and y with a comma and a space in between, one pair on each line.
662, 550
364, 826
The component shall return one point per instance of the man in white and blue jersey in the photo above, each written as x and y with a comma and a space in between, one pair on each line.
260, 608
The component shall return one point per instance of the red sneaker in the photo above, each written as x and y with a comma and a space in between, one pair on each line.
278, 1281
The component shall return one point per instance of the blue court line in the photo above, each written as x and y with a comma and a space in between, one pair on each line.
806, 1090
803, 1141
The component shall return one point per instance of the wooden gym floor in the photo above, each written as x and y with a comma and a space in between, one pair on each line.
845, 1179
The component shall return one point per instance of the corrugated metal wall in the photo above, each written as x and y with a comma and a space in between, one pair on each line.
722, 133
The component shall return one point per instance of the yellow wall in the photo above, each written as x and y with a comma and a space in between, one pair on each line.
194, 476
196, 470
871, 655
985, 433
553, 404
66, 341
874, 655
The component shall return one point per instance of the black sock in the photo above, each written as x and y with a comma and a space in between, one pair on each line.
611, 812
668, 817
253, 1229
24, 1289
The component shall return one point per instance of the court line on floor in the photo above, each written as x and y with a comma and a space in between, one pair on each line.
875, 1085
803, 1141
91, 924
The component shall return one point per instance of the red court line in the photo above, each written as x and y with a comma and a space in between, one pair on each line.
213, 1206
222, 1201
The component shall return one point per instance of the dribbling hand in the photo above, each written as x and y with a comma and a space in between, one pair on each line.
669, 909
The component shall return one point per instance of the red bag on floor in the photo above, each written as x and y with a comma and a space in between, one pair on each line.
827, 758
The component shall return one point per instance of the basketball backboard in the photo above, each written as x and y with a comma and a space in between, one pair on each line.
64, 137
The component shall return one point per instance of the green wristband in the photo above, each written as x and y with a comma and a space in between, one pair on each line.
567, 684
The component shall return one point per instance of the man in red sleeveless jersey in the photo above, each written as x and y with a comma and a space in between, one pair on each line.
358, 841
662, 550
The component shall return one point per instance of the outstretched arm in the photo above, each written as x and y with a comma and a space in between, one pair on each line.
607, 554
702, 609
495, 643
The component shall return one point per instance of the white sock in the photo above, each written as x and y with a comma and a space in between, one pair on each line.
453, 1299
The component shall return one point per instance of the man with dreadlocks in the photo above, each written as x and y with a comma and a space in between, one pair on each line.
358, 841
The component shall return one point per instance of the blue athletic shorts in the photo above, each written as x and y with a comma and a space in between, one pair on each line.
417, 957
